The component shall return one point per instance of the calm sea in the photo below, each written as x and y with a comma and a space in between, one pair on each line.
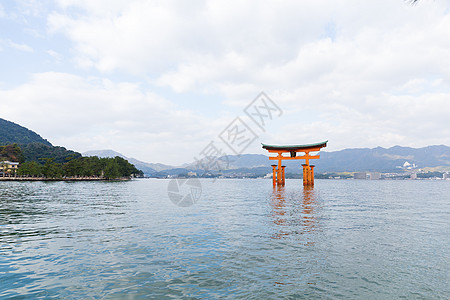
348, 239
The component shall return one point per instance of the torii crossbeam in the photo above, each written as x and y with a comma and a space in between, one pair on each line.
308, 170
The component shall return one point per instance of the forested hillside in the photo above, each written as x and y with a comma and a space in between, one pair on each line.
38, 152
11, 133
39, 158
11, 153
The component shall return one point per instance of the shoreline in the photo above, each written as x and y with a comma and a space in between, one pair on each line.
61, 179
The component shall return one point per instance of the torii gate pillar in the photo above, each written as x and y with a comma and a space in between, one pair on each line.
274, 174
308, 174
305, 174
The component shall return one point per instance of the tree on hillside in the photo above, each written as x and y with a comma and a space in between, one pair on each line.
38, 151
125, 168
11, 152
111, 170
52, 169
30, 168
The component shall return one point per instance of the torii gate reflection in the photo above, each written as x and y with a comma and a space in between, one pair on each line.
308, 170
289, 218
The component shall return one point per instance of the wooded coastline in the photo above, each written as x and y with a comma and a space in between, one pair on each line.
31, 178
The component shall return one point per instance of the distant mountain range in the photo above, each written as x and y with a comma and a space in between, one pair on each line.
383, 160
378, 159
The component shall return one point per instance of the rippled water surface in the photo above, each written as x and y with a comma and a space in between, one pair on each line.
352, 239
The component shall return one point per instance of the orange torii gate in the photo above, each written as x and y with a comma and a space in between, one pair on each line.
308, 170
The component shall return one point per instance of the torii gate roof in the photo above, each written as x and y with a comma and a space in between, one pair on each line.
294, 147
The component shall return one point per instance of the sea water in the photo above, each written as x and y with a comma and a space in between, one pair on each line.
348, 239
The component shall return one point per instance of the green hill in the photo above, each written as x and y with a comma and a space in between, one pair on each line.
12, 133
39, 152
38, 157
32, 146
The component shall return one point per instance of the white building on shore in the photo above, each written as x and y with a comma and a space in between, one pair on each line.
8, 168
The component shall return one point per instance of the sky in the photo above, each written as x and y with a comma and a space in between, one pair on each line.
168, 81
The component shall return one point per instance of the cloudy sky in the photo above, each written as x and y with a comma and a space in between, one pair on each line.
160, 80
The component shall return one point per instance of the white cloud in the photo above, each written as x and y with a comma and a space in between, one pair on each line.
55, 55
20, 47
250, 41
149, 36
31, 7
2, 12
359, 73
95, 113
